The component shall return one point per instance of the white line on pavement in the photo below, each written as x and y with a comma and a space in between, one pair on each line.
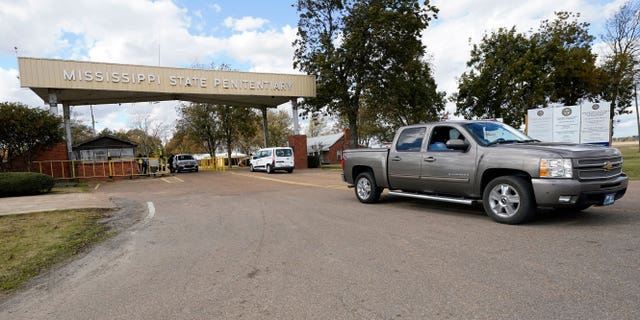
152, 212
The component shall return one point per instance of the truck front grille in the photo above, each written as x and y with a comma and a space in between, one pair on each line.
598, 168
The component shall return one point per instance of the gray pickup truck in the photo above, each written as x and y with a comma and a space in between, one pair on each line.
490, 163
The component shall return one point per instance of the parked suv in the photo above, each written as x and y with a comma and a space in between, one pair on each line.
271, 159
184, 162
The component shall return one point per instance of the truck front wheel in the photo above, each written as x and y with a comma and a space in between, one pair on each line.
366, 189
509, 200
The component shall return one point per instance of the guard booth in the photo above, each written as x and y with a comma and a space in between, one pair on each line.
105, 148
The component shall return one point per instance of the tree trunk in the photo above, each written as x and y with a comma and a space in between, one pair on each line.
229, 153
353, 130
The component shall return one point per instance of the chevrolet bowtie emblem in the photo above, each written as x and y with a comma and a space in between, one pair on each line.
607, 166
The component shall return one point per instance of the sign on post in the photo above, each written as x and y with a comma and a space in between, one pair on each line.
566, 124
595, 124
540, 124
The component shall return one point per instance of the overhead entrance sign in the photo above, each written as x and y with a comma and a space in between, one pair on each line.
73, 83
84, 83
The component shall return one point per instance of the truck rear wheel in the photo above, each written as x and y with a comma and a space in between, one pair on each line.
509, 200
366, 189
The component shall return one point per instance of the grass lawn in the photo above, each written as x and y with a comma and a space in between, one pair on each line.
32, 243
631, 158
71, 187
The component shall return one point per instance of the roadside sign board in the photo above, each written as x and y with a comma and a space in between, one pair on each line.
585, 123
594, 127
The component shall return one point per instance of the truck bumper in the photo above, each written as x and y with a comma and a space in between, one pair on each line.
569, 192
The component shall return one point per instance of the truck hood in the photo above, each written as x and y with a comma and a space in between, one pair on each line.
565, 150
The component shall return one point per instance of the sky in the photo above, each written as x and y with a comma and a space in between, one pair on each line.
254, 36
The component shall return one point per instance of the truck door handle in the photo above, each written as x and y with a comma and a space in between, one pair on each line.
396, 158
429, 159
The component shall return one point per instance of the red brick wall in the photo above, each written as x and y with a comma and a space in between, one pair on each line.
299, 145
58, 152
331, 156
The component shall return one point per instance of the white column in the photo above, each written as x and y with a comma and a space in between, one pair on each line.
66, 111
53, 103
294, 107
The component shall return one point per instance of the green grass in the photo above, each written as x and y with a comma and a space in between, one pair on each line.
332, 166
32, 243
71, 187
631, 158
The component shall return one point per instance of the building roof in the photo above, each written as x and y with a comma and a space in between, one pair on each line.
322, 143
105, 141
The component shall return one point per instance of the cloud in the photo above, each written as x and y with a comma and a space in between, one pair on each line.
245, 24
268, 51
215, 7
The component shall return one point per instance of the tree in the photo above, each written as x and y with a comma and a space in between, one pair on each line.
511, 72
80, 132
352, 46
501, 82
317, 125
148, 134
235, 122
569, 65
25, 131
406, 96
181, 142
201, 124
622, 35
279, 124
212, 125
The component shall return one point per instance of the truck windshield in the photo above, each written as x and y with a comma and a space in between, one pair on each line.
488, 133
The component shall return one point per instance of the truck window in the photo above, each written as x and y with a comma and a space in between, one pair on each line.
410, 139
440, 136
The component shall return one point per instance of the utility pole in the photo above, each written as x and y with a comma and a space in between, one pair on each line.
93, 121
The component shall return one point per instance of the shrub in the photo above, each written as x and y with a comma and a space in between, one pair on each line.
24, 183
313, 161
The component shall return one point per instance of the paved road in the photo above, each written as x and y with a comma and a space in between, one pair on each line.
255, 246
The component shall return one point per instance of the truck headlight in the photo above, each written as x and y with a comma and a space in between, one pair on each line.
556, 168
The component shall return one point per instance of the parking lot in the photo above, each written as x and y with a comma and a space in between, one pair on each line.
242, 245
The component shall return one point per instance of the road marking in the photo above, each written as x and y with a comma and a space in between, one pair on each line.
335, 187
152, 212
97, 186
172, 180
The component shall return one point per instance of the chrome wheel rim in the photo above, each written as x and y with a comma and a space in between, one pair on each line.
504, 200
364, 188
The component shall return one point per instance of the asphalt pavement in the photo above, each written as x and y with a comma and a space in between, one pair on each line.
240, 245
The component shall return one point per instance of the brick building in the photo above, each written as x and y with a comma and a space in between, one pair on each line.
329, 147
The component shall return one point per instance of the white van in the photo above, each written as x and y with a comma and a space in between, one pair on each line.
272, 159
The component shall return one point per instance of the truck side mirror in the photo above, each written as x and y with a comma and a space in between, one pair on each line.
457, 144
